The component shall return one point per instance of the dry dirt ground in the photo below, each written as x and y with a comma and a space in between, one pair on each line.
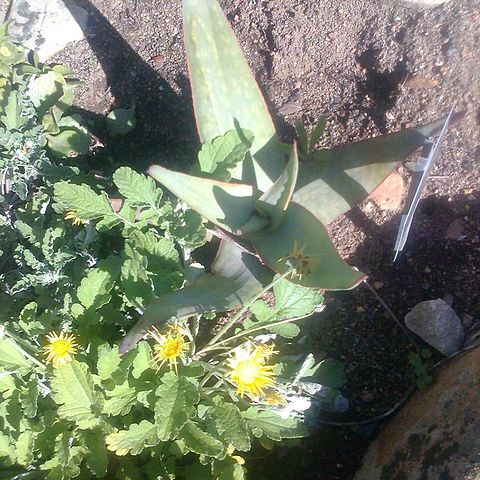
371, 67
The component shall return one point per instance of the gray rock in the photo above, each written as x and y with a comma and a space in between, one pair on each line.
435, 322
46, 26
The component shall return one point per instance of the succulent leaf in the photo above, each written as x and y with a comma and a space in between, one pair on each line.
301, 245
225, 94
228, 205
274, 202
237, 278
338, 179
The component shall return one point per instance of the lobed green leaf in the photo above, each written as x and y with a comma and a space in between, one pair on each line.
271, 425
200, 442
74, 392
177, 397
87, 204
231, 426
134, 439
138, 189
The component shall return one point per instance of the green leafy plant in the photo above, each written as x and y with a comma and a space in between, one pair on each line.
422, 364
85, 257
275, 208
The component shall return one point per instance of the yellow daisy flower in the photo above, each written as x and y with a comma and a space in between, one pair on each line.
248, 370
169, 347
60, 348
72, 215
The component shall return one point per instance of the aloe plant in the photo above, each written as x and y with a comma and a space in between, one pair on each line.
279, 208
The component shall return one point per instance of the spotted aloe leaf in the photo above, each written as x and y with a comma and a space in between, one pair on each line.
225, 94
302, 244
228, 205
338, 179
236, 278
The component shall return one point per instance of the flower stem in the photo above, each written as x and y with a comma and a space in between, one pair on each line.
217, 346
242, 310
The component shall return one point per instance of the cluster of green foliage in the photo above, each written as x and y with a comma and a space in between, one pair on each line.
92, 274
101, 258
422, 363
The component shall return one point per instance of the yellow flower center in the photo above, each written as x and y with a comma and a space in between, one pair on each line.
247, 372
61, 347
172, 348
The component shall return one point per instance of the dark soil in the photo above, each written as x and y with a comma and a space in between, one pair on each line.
371, 68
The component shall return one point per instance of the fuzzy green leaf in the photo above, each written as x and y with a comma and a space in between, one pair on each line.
135, 281
73, 390
223, 153
294, 300
29, 322
108, 361
133, 440
291, 301
28, 397
12, 118
97, 455
94, 288
24, 448
159, 251
143, 359
45, 90
87, 204
199, 441
271, 425
120, 400
6, 448
138, 189
69, 142
231, 426
177, 397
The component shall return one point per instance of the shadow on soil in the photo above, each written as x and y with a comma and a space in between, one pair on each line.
165, 121
355, 329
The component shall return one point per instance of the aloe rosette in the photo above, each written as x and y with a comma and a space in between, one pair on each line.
279, 207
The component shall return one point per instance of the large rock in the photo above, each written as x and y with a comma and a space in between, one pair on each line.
46, 26
435, 322
436, 436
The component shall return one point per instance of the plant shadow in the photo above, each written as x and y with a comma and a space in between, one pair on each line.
165, 122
